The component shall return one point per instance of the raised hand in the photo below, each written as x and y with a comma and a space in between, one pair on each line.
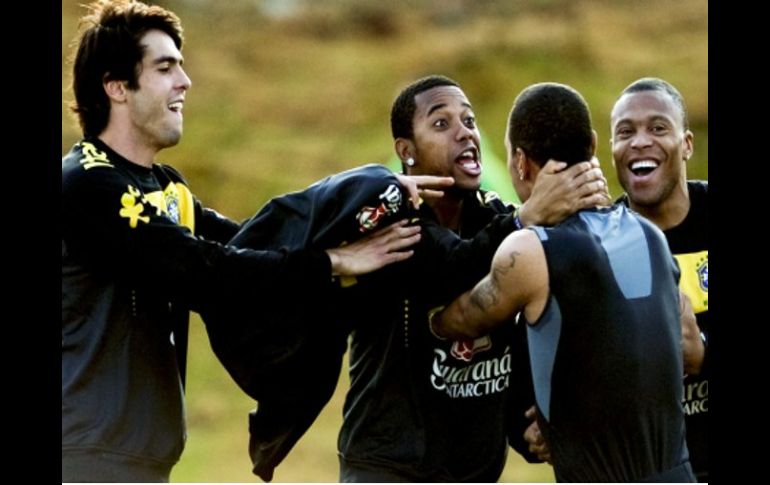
424, 186
374, 251
559, 192
533, 436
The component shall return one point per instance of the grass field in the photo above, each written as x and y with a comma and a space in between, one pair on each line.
281, 99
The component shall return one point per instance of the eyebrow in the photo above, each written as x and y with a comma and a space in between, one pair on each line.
649, 119
169, 59
661, 118
436, 107
622, 121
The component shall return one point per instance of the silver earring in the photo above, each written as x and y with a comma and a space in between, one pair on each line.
521, 174
410, 161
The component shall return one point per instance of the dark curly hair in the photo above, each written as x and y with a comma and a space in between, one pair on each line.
402, 112
551, 121
656, 84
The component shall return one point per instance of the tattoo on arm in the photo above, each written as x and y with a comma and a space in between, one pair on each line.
512, 257
485, 295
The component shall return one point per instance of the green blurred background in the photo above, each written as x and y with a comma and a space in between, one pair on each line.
288, 91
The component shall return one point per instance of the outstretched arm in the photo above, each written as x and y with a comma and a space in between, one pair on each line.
518, 280
374, 251
559, 193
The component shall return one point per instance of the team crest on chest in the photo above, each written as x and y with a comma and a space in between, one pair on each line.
703, 274
172, 205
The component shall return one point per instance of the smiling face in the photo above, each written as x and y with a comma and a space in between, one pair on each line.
446, 138
155, 108
650, 147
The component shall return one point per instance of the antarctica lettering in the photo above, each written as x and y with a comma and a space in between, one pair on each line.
460, 379
696, 397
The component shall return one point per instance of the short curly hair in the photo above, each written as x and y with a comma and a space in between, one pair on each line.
657, 84
402, 112
551, 121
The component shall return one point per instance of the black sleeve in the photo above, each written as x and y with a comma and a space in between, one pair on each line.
108, 224
213, 226
454, 265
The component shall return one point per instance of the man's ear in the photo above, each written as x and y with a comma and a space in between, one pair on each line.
405, 150
115, 90
688, 144
522, 167
612, 157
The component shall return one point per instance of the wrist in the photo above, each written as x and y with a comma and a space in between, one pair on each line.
521, 217
435, 314
517, 221
702, 360
334, 261
694, 364
704, 363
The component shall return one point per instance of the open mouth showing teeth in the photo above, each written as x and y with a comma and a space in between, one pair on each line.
643, 167
469, 162
467, 156
175, 106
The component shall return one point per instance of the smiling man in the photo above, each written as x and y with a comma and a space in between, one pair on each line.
139, 251
598, 296
651, 144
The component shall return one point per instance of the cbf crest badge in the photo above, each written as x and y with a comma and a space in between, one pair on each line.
172, 206
171, 203
703, 275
